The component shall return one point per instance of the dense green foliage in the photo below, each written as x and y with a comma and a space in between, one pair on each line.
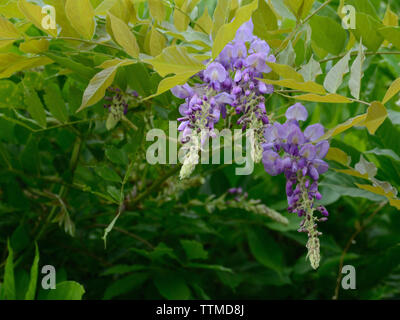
68, 168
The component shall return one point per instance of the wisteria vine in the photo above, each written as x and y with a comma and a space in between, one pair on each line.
231, 84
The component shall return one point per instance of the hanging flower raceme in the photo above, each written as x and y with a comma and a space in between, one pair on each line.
298, 155
118, 103
231, 81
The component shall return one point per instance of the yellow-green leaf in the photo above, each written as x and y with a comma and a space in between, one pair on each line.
376, 115
228, 31
80, 14
34, 14
99, 84
390, 18
354, 173
374, 189
204, 23
170, 82
157, 9
392, 91
285, 71
7, 30
157, 42
124, 36
34, 46
175, 60
308, 86
329, 98
395, 203
103, 7
344, 126
339, 156
11, 63
221, 15
66, 29
300, 8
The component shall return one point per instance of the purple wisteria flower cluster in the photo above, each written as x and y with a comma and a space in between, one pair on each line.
228, 84
231, 85
298, 155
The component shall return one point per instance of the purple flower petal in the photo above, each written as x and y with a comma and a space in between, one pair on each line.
296, 137
308, 151
314, 132
240, 50
297, 112
215, 72
182, 92
322, 149
320, 165
257, 61
260, 46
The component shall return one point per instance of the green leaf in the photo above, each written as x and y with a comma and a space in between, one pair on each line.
107, 174
117, 156
35, 106
300, 8
122, 269
84, 72
172, 286
311, 70
265, 249
384, 152
364, 6
228, 31
124, 36
288, 56
8, 291
80, 14
264, 19
328, 34
31, 292
55, 102
334, 78
125, 285
7, 90
392, 34
66, 290
357, 73
367, 29
194, 249
209, 267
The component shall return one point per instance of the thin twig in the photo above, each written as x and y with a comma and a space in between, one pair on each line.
368, 53
348, 245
